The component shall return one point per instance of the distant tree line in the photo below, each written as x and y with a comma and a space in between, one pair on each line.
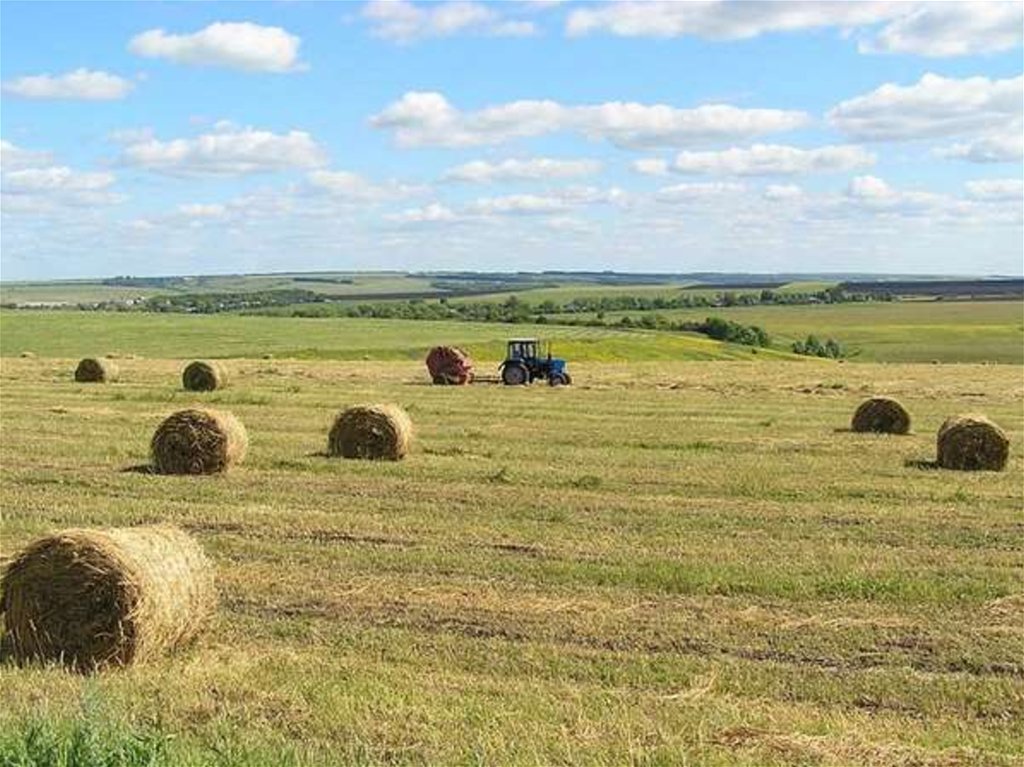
814, 347
214, 303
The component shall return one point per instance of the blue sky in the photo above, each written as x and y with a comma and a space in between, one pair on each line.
169, 138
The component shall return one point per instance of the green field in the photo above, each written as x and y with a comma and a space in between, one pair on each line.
903, 331
65, 334
906, 331
334, 284
673, 562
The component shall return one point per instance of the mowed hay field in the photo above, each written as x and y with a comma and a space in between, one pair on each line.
669, 563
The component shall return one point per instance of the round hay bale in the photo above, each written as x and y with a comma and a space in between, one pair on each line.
971, 442
375, 432
96, 370
204, 376
882, 415
95, 598
449, 365
198, 441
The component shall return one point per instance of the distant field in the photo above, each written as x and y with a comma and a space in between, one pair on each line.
910, 331
61, 333
364, 285
903, 331
76, 291
671, 563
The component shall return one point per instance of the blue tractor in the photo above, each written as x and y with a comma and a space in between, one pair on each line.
523, 365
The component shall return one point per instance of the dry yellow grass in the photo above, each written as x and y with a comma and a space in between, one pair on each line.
95, 598
667, 563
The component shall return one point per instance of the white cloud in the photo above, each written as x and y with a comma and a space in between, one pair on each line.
928, 29
778, 192
404, 22
237, 45
433, 213
770, 159
996, 189
47, 189
227, 151
952, 29
997, 147
428, 119
556, 201
518, 204
202, 210
483, 172
651, 166
352, 186
869, 188
735, 20
694, 192
875, 194
79, 85
56, 178
14, 157
935, 106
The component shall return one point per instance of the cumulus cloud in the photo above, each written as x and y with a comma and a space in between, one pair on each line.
551, 201
869, 188
227, 151
997, 147
996, 189
429, 119
548, 203
873, 193
79, 85
55, 178
680, 193
45, 189
236, 45
651, 166
928, 29
353, 187
403, 22
13, 157
737, 20
483, 172
951, 29
771, 159
433, 213
935, 106
202, 210
518, 204
778, 192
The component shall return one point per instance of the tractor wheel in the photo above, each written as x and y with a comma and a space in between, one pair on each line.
558, 379
568, 379
514, 375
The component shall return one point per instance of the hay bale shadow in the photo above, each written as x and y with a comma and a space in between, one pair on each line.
921, 463
7, 649
848, 430
319, 454
140, 468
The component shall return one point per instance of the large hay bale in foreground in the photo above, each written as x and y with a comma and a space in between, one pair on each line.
198, 441
96, 370
881, 415
449, 365
376, 432
204, 376
94, 598
971, 442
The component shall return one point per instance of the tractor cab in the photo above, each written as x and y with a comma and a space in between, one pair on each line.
524, 364
522, 349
